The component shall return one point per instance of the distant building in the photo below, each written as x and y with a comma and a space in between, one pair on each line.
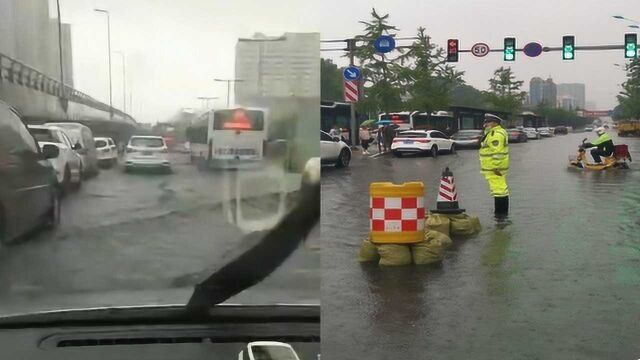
568, 103
550, 93
575, 92
536, 86
279, 67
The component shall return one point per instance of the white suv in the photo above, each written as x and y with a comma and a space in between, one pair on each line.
106, 151
334, 151
147, 152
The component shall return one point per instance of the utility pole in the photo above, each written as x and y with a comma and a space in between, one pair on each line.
351, 47
124, 80
109, 46
60, 49
228, 81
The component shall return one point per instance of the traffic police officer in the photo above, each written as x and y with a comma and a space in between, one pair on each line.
494, 161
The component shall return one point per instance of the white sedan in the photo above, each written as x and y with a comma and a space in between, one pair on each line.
333, 150
422, 141
147, 152
531, 133
68, 164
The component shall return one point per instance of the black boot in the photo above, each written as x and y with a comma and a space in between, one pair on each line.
501, 205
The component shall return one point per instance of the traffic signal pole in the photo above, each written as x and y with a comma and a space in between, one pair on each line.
351, 47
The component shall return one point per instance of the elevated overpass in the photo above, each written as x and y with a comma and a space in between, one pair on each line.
40, 98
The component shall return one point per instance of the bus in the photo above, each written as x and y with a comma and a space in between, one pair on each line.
235, 137
415, 120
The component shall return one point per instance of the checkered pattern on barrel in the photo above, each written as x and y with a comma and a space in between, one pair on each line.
396, 214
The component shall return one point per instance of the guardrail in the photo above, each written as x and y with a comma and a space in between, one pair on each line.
16, 72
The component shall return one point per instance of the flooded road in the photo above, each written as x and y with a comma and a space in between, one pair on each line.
560, 281
144, 238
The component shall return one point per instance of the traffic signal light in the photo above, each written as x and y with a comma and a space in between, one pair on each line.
509, 49
630, 46
452, 50
568, 47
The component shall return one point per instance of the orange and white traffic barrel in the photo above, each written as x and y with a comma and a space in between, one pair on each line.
396, 213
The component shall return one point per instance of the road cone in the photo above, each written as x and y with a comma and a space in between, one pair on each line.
447, 202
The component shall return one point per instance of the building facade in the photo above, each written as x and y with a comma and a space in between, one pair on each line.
550, 93
575, 92
536, 86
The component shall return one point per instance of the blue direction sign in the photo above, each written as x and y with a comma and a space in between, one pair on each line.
532, 49
351, 73
384, 44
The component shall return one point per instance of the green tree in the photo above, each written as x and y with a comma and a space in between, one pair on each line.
467, 95
427, 80
330, 81
629, 97
382, 85
504, 91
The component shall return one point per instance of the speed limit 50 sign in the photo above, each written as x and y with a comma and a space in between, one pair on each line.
480, 49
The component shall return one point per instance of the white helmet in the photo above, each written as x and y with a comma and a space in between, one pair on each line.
600, 130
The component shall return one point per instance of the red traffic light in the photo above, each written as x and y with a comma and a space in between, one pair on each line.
452, 50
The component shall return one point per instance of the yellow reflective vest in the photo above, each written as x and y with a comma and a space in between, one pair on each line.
494, 150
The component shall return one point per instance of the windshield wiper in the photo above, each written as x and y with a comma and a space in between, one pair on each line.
275, 246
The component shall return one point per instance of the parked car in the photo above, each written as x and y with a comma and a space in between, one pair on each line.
517, 136
29, 198
422, 141
544, 132
147, 152
588, 129
81, 135
561, 130
334, 151
107, 151
67, 164
468, 138
532, 134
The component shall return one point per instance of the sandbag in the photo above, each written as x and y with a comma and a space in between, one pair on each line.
427, 252
444, 239
438, 222
394, 255
368, 252
463, 225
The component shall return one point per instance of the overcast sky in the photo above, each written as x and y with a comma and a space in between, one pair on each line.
175, 48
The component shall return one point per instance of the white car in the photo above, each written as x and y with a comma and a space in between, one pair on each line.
147, 152
422, 141
544, 131
68, 164
106, 151
263, 350
334, 151
532, 134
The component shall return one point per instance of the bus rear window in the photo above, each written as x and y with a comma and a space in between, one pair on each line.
238, 120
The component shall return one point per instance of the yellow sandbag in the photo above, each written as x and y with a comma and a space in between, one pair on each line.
438, 222
394, 255
368, 252
476, 223
427, 252
463, 225
444, 239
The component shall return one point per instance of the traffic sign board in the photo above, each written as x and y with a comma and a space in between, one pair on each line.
480, 49
351, 73
384, 44
351, 91
532, 49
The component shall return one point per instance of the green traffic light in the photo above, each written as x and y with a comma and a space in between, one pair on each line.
568, 47
630, 46
509, 53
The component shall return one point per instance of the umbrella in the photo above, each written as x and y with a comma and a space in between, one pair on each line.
368, 123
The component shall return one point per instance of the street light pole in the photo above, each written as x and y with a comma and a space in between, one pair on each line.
60, 47
205, 100
228, 81
124, 80
109, 46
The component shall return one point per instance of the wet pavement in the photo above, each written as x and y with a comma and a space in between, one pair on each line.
145, 238
560, 281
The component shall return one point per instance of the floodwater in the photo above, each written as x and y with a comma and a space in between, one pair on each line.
560, 281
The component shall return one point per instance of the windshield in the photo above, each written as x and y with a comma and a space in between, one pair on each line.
170, 206
146, 142
262, 352
44, 135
